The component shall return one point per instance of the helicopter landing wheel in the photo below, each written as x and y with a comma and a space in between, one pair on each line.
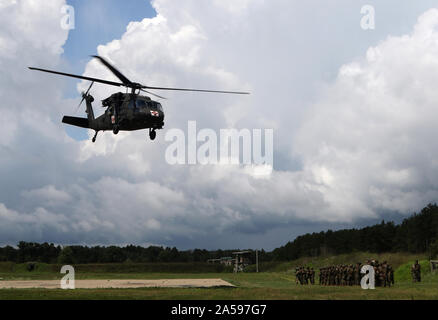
116, 129
95, 136
152, 134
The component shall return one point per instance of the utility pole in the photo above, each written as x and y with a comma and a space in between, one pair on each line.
236, 267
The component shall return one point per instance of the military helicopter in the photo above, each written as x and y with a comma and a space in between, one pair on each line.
125, 111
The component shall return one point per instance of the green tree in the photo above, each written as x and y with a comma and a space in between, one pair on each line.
434, 249
66, 256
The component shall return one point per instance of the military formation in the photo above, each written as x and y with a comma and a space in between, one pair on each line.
346, 274
416, 272
340, 275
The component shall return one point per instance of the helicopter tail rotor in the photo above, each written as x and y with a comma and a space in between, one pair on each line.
83, 96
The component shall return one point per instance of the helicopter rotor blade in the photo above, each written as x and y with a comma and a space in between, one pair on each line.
156, 95
193, 90
111, 83
127, 83
83, 96
116, 72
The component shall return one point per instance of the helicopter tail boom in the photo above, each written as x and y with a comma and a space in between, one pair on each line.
90, 113
75, 121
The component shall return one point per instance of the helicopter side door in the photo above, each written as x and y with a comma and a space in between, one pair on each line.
130, 110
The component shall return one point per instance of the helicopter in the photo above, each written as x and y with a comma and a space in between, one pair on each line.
124, 111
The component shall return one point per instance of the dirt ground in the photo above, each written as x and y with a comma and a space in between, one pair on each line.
93, 284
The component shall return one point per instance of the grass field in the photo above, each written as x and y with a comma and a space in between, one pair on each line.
279, 283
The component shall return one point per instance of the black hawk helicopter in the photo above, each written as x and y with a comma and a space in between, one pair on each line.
125, 111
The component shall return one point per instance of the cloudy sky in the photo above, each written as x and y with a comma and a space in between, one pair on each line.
354, 114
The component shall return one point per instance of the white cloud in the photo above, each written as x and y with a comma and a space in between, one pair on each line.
373, 132
48, 195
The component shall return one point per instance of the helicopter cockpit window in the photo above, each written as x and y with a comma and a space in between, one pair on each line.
159, 106
141, 103
131, 104
152, 105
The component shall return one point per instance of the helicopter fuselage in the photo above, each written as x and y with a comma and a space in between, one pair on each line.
129, 112
124, 112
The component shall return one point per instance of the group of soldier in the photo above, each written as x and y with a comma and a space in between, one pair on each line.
340, 275
304, 275
346, 275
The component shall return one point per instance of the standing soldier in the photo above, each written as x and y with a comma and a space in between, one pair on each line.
390, 275
338, 275
416, 272
386, 281
306, 275
345, 275
357, 275
350, 277
300, 275
375, 264
312, 276
382, 274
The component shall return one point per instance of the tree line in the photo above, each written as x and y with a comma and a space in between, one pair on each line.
416, 234
49, 253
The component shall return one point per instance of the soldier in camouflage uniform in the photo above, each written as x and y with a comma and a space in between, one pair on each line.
333, 276
382, 275
390, 275
306, 275
416, 272
387, 275
299, 275
357, 275
337, 275
375, 265
344, 273
312, 276
323, 276
350, 275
